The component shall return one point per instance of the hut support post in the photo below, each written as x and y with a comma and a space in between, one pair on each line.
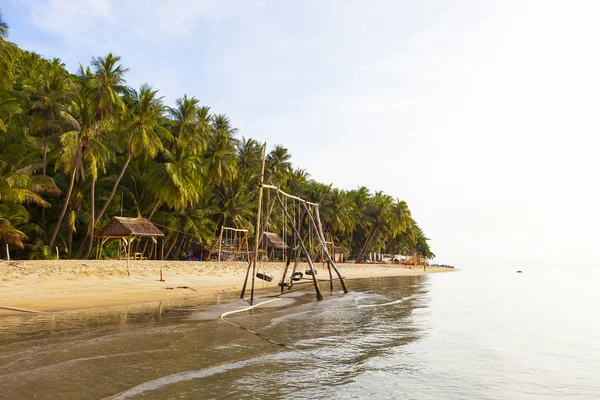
257, 231
308, 258
321, 238
155, 248
128, 251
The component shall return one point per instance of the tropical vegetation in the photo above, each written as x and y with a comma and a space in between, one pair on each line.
78, 148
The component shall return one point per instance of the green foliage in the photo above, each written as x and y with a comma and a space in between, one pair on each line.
76, 149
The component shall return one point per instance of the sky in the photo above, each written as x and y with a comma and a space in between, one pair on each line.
482, 115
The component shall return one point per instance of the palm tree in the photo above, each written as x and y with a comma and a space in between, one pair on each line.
380, 211
190, 124
3, 27
8, 55
20, 184
144, 132
220, 158
278, 165
178, 181
249, 154
109, 83
82, 143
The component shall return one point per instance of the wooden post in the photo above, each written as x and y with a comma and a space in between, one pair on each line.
220, 240
257, 230
161, 275
128, 251
7, 253
287, 264
319, 228
308, 258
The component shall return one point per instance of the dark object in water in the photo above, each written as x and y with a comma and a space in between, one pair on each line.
296, 276
518, 272
264, 277
309, 272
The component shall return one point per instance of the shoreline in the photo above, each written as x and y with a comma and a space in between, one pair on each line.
69, 285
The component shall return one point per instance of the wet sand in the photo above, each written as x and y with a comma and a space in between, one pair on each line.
50, 286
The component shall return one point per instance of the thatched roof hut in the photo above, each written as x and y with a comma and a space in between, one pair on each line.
119, 227
340, 250
273, 240
127, 230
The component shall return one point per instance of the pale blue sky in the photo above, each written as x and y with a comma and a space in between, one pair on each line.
482, 115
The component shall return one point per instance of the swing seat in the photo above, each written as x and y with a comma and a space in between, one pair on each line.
309, 272
264, 277
296, 276
283, 284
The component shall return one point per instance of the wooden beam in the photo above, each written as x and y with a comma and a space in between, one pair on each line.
308, 258
319, 228
252, 262
289, 195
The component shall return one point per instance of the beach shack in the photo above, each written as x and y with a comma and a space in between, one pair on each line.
127, 230
274, 245
340, 254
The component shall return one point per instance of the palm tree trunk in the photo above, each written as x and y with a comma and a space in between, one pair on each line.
69, 241
114, 189
154, 210
64, 209
183, 240
44, 208
367, 242
168, 253
92, 218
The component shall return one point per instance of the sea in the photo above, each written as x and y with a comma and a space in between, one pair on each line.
479, 333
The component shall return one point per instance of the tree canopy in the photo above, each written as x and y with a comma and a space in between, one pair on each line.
78, 148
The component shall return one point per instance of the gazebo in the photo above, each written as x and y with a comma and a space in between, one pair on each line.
128, 229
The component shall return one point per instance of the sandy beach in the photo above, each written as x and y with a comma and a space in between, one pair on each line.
50, 286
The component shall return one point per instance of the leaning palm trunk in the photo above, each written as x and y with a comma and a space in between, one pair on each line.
90, 234
114, 189
368, 242
64, 209
172, 245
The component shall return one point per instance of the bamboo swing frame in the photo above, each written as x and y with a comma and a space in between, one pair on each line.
314, 222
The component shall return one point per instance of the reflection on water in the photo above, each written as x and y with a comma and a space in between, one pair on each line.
160, 351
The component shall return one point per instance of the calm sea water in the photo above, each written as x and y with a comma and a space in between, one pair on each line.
472, 334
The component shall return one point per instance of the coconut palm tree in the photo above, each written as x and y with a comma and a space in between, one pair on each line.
20, 184
81, 146
143, 131
9, 53
190, 124
278, 165
108, 84
220, 158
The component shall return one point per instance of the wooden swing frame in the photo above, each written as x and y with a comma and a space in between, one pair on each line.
314, 222
219, 241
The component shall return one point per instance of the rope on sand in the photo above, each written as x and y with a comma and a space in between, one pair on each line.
20, 309
263, 337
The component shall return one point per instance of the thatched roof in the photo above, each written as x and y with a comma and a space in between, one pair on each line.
274, 240
340, 250
121, 226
